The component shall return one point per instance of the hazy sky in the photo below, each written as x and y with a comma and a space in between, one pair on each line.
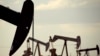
56, 17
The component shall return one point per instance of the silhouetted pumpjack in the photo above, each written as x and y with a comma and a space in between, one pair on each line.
87, 50
77, 40
38, 46
22, 20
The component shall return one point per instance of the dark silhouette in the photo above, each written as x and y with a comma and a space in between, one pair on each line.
9, 15
53, 52
27, 52
87, 50
22, 20
77, 40
38, 45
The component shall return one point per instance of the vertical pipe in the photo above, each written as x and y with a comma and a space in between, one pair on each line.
33, 36
33, 31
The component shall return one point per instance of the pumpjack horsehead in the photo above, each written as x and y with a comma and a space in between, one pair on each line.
56, 37
87, 50
22, 20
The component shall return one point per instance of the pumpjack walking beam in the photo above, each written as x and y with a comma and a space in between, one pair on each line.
77, 40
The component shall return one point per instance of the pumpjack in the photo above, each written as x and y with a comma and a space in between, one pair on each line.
38, 45
22, 20
87, 50
77, 40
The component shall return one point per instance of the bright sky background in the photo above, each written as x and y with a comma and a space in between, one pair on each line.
56, 17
